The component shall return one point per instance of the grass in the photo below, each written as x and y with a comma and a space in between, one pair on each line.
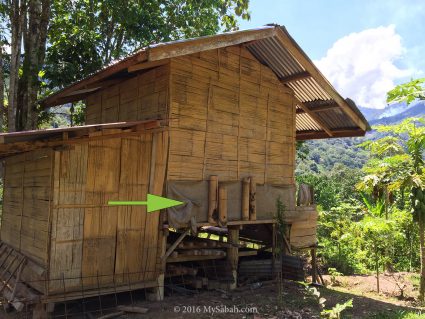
399, 315
415, 279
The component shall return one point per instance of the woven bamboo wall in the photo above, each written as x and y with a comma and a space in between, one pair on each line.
139, 98
96, 244
26, 203
231, 117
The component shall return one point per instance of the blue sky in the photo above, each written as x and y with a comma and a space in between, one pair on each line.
364, 47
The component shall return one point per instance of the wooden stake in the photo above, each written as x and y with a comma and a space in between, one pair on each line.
313, 266
245, 198
252, 199
222, 205
212, 198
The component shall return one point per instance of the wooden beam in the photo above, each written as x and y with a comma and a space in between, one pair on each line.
295, 77
320, 108
179, 48
295, 50
314, 116
147, 65
175, 244
311, 135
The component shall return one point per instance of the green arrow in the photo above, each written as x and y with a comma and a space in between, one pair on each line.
153, 203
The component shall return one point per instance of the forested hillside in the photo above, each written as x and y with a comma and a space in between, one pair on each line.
362, 188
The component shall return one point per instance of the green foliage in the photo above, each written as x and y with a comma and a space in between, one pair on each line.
402, 314
378, 237
408, 92
333, 273
376, 208
87, 35
335, 312
366, 219
332, 187
340, 236
349, 232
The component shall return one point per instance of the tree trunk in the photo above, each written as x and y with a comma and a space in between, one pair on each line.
1, 89
35, 48
377, 271
422, 245
17, 18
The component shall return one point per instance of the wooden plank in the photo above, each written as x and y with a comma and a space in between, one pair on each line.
295, 77
180, 48
193, 258
147, 65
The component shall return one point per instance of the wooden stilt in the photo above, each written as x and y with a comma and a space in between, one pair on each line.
222, 205
39, 311
233, 253
212, 198
245, 198
313, 266
252, 199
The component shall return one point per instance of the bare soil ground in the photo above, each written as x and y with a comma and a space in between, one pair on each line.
263, 301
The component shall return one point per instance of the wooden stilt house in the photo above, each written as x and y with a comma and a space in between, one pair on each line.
211, 121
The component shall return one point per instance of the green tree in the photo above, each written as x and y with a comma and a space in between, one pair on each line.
87, 34
378, 236
398, 166
54, 42
408, 92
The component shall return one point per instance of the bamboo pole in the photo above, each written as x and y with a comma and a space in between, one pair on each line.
222, 205
245, 198
252, 199
212, 198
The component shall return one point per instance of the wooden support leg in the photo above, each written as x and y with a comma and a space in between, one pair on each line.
233, 253
157, 293
42, 311
313, 266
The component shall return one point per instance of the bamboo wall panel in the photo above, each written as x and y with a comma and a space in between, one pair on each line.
142, 97
230, 116
96, 245
26, 203
69, 188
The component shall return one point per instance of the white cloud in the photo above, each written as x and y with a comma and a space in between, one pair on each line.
362, 65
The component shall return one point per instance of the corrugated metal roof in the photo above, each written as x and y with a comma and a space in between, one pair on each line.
273, 54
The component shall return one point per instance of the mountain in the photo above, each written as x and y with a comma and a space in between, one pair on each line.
393, 113
328, 154
392, 116
370, 113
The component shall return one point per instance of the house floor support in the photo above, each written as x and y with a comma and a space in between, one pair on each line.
233, 253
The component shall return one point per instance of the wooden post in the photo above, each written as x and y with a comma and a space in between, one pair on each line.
158, 291
313, 266
212, 198
222, 205
252, 199
245, 198
233, 252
